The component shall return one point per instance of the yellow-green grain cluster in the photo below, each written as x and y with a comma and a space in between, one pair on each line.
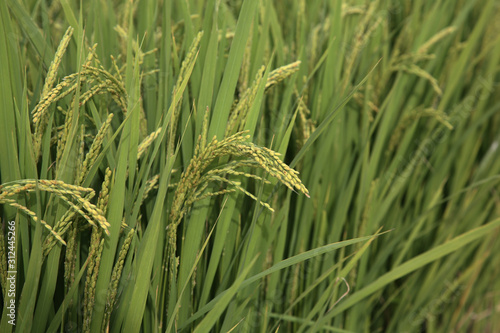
245, 67
48, 96
70, 258
304, 124
67, 192
239, 113
102, 202
93, 153
98, 81
143, 146
94, 261
115, 279
282, 73
186, 64
194, 181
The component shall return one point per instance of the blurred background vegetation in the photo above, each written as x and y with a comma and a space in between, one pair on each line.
148, 151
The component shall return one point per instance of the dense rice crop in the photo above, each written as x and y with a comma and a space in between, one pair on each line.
252, 165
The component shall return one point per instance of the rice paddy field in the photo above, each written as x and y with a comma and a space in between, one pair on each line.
250, 166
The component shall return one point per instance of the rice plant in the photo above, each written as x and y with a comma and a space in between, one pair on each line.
253, 166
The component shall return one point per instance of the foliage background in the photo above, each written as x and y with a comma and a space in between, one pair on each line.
391, 118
